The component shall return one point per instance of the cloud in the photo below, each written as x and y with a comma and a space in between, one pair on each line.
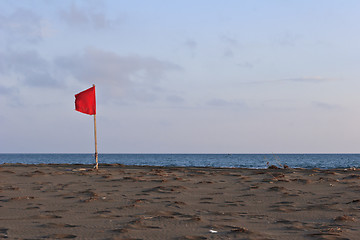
292, 80
175, 99
218, 102
247, 65
6, 90
228, 53
305, 80
289, 39
21, 26
229, 41
326, 106
80, 17
191, 44
28, 67
121, 74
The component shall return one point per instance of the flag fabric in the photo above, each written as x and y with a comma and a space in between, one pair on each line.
85, 101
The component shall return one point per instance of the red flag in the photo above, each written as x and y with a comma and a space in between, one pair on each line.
85, 101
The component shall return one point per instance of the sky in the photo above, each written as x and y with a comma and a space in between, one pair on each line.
181, 76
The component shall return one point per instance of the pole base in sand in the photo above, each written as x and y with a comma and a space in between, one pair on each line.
96, 161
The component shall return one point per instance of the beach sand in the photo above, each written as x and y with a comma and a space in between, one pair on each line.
135, 202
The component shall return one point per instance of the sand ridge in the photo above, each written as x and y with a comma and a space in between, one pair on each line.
142, 202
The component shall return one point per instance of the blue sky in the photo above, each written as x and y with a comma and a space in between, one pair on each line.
181, 76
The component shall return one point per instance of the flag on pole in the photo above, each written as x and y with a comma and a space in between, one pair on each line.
85, 101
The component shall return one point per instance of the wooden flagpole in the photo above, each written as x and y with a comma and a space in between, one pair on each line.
96, 152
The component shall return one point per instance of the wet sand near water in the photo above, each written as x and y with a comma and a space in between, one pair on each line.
141, 202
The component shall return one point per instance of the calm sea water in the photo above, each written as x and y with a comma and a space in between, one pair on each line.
325, 161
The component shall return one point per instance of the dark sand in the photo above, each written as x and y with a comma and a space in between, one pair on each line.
130, 202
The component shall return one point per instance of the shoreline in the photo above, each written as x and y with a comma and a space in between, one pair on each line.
111, 165
147, 202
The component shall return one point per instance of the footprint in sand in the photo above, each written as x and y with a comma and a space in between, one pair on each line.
345, 218
8, 171
277, 189
139, 224
244, 233
32, 208
240, 230
327, 235
119, 230
192, 238
176, 204
168, 189
57, 225
9, 188
45, 217
18, 198
60, 236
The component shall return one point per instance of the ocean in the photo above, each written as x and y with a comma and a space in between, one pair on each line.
322, 161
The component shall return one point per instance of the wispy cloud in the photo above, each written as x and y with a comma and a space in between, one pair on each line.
289, 39
231, 41
228, 53
219, 102
326, 106
7, 90
76, 16
21, 26
175, 99
134, 75
293, 80
190, 43
245, 64
306, 80
28, 67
